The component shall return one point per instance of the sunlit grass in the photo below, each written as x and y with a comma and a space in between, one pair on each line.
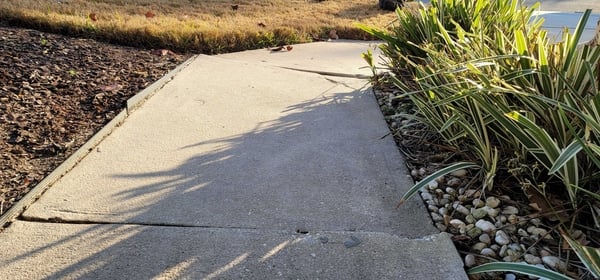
207, 26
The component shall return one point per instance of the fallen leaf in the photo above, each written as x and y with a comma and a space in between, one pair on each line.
113, 87
276, 49
281, 48
141, 73
26, 182
546, 205
150, 14
162, 52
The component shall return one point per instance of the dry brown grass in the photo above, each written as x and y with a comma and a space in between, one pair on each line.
206, 26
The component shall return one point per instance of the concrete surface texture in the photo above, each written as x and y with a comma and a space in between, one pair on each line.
566, 5
335, 57
556, 22
561, 14
239, 169
252, 165
56, 251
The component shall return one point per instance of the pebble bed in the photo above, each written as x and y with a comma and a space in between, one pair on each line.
492, 227
484, 227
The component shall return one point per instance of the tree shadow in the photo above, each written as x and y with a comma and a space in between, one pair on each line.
241, 204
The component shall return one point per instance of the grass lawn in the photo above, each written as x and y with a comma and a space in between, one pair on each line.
204, 26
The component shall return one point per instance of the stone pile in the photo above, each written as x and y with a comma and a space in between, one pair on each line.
493, 227
484, 227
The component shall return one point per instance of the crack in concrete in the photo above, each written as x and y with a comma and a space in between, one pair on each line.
58, 220
327, 73
293, 231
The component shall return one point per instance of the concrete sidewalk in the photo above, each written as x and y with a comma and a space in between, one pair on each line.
556, 22
566, 5
561, 14
239, 169
252, 165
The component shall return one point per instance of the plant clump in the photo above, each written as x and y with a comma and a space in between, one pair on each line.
480, 84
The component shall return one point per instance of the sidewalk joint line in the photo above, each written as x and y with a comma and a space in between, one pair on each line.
57, 220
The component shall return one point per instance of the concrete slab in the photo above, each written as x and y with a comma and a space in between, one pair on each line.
566, 5
333, 57
60, 251
561, 14
237, 169
219, 147
556, 22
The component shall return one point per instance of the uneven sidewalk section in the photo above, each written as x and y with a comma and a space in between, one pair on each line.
59, 251
236, 170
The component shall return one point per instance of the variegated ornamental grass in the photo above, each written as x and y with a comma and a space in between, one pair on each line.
485, 76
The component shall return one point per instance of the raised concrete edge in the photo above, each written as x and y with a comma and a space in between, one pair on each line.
113, 251
132, 103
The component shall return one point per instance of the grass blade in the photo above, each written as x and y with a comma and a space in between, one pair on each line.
565, 156
571, 46
588, 255
457, 166
528, 269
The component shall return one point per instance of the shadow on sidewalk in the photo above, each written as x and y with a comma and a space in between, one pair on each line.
275, 199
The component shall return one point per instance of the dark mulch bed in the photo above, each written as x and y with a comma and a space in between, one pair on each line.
55, 93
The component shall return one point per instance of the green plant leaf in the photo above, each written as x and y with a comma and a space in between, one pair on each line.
528, 269
545, 149
567, 154
588, 255
447, 170
590, 193
376, 32
571, 42
368, 57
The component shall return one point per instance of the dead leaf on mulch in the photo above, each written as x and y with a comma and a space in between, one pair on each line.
546, 205
113, 87
162, 52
